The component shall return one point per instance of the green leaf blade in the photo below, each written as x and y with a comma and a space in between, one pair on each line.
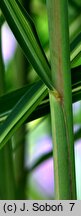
21, 111
24, 30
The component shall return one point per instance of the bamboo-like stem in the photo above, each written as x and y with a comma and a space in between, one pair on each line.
61, 103
19, 162
7, 183
21, 175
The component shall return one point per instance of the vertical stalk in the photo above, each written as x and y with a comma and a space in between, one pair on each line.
61, 101
20, 173
19, 136
19, 162
7, 183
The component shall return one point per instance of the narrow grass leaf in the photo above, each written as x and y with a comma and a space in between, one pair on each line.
24, 30
2, 19
21, 111
42, 108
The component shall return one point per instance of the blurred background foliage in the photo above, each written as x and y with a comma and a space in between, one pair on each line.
32, 143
